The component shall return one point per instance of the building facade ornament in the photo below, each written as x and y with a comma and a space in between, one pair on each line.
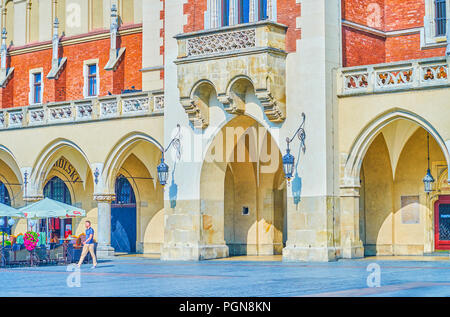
104, 198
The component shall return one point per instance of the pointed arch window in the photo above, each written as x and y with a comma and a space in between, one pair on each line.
124, 192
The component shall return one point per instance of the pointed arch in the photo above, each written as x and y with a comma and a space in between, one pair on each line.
54, 151
120, 153
364, 140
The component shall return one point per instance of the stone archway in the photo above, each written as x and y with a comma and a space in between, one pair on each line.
242, 195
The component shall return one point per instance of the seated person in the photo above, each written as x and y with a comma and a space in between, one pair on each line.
54, 239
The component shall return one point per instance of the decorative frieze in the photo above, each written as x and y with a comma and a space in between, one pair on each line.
221, 42
394, 76
36, 116
158, 103
60, 113
109, 108
135, 105
15, 119
436, 73
84, 111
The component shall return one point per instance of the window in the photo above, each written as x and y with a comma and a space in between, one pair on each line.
244, 11
37, 87
440, 17
263, 10
225, 12
92, 80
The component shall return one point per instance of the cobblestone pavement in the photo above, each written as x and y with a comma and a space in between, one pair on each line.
147, 276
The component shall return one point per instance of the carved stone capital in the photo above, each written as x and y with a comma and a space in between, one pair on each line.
33, 198
104, 198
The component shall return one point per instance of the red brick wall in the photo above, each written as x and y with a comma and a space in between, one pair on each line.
195, 11
355, 48
288, 11
362, 48
408, 47
364, 12
69, 86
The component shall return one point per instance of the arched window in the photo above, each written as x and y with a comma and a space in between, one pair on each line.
4, 195
440, 17
56, 189
124, 192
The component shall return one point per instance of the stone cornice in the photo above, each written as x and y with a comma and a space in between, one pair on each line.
72, 40
378, 32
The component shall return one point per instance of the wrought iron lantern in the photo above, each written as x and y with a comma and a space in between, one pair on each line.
163, 172
288, 164
428, 180
163, 168
288, 158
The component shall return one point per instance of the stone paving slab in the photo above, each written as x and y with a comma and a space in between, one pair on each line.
141, 276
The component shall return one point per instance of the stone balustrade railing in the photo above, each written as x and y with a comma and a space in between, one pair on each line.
232, 39
101, 108
380, 78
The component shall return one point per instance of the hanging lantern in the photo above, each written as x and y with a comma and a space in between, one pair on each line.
163, 172
288, 164
428, 181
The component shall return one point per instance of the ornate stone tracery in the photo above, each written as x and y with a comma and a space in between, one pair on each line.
221, 42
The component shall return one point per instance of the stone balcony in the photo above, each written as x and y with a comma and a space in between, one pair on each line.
229, 63
91, 109
394, 77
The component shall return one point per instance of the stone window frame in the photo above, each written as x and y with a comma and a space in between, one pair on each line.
428, 38
31, 96
86, 65
213, 14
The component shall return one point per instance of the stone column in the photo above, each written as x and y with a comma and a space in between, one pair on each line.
104, 248
352, 246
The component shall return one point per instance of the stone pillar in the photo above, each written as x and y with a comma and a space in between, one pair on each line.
352, 246
104, 248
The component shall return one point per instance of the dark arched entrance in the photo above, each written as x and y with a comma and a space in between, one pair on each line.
4, 199
123, 217
57, 189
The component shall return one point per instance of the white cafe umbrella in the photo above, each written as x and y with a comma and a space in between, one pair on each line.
49, 208
7, 211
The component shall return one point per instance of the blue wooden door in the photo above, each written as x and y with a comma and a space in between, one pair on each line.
123, 217
123, 229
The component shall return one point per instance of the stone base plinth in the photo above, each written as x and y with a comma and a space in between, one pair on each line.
353, 250
306, 254
105, 251
193, 253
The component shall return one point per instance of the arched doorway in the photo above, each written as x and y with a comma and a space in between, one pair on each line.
123, 217
57, 189
395, 214
243, 191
